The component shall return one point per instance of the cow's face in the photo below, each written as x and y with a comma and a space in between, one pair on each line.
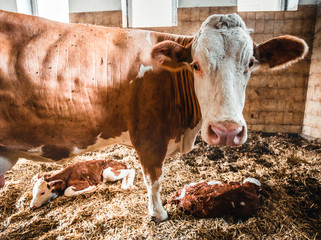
222, 57
222, 62
43, 192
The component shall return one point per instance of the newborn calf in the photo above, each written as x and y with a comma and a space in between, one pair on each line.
215, 199
79, 178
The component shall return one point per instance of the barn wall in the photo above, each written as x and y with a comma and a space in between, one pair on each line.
275, 100
312, 118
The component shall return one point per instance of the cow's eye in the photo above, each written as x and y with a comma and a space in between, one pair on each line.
196, 67
42, 193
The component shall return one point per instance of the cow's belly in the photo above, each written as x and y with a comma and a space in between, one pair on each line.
38, 153
123, 139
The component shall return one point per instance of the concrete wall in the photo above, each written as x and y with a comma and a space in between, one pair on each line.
312, 117
275, 100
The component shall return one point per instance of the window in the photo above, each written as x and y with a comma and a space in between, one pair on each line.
149, 13
271, 5
57, 10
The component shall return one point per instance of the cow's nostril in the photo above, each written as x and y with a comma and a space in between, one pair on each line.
211, 131
241, 133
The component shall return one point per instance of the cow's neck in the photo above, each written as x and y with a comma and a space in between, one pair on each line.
185, 107
184, 104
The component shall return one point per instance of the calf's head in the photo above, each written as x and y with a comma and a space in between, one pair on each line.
222, 57
43, 191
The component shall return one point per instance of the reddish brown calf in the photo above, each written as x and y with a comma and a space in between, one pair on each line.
215, 199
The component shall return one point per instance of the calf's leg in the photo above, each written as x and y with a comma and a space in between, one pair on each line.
78, 188
130, 178
127, 176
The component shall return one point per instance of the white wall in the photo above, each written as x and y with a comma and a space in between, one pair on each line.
224, 3
94, 5
57, 10
307, 2
206, 3
115, 5
24, 6
8, 5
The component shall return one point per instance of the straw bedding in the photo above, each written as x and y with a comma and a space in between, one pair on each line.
287, 165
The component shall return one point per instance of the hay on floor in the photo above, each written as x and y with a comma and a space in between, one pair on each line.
287, 165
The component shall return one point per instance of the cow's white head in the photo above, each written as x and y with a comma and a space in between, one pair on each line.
44, 191
222, 57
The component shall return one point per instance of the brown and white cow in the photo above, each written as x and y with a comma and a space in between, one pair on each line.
216, 199
79, 178
70, 88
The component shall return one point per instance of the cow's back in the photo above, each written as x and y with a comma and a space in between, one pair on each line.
62, 78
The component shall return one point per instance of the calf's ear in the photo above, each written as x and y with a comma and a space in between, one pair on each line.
281, 51
56, 184
171, 56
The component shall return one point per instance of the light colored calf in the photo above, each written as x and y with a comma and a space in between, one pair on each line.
79, 178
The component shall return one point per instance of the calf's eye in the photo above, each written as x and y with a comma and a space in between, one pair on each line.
42, 193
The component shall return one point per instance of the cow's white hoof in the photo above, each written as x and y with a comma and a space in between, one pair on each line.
159, 217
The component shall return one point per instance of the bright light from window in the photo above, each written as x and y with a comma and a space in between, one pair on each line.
152, 13
57, 10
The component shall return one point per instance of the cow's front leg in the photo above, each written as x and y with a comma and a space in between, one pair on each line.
153, 176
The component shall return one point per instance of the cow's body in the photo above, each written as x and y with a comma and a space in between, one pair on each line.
70, 88
79, 178
82, 81
216, 199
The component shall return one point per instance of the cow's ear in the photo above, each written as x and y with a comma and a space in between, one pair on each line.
281, 51
172, 56
56, 184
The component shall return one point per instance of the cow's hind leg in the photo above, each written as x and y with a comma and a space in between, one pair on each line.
127, 176
78, 188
